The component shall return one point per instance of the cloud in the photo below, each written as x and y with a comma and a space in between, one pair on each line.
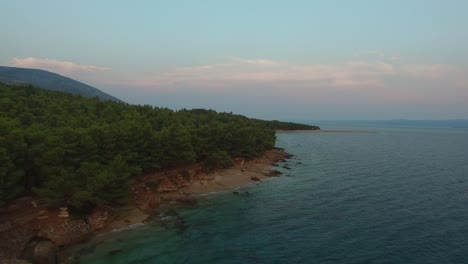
62, 67
378, 78
358, 73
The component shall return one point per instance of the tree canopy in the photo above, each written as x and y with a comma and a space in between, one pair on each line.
84, 151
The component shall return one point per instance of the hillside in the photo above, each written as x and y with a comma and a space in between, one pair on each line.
71, 148
50, 81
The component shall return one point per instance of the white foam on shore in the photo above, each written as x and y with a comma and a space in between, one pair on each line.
213, 192
131, 226
235, 188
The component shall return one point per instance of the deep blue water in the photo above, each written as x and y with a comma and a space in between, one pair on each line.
396, 196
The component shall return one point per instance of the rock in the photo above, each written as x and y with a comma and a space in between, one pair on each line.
246, 194
187, 201
99, 218
72, 260
14, 261
286, 167
45, 252
274, 173
169, 219
253, 178
239, 161
41, 251
115, 251
88, 249
66, 233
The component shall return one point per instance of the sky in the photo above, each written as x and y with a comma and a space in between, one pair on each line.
287, 60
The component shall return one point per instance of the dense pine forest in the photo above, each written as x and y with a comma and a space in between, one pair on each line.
83, 150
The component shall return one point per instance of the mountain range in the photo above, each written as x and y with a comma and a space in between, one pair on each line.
50, 81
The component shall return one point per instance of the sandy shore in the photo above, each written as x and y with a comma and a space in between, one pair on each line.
242, 174
127, 215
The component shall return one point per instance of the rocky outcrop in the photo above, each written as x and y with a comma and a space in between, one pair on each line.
173, 183
39, 244
255, 178
45, 252
41, 251
66, 233
14, 261
99, 218
14, 240
274, 173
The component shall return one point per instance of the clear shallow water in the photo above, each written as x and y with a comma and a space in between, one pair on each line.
396, 196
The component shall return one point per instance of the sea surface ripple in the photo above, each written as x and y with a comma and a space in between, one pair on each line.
396, 196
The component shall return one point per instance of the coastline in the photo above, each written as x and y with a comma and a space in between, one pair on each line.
152, 194
243, 173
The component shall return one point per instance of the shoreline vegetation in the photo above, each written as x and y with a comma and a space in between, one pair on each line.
324, 131
74, 166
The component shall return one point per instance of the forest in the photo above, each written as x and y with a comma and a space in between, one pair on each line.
83, 151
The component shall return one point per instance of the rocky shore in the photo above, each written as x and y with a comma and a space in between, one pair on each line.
40, 235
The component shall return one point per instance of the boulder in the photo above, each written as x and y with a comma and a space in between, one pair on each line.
41, 251
66, 233
273, 173
45, 252
99, 218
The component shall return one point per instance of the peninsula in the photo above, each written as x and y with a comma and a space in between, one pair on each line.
73, 166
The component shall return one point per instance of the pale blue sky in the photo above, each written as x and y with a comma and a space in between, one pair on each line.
330, 59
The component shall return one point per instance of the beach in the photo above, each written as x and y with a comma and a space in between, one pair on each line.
243, 173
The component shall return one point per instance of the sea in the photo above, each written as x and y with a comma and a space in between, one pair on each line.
395, 193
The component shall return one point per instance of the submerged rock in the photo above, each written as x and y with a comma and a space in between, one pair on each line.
169, 219
244, 194
72, 260
187, 201
114, 252
274, 173
89, 249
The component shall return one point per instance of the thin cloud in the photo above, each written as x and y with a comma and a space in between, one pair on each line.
62, 67
356, 73
242, 73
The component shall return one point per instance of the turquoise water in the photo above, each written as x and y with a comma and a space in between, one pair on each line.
396, 196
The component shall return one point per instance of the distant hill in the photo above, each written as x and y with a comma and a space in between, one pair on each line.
50, 81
